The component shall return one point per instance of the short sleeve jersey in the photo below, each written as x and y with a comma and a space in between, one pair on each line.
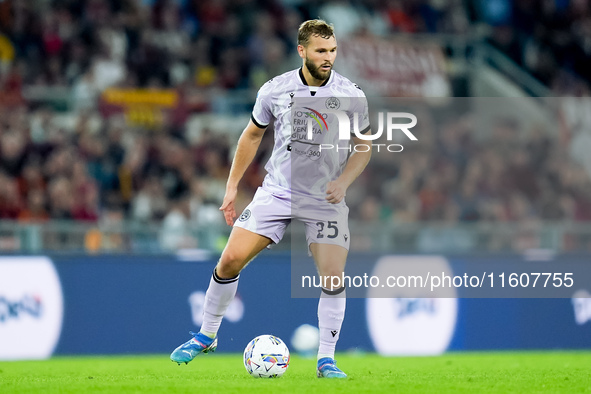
298, 164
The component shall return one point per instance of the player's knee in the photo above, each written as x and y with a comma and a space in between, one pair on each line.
230, 264
336, 273
331, 270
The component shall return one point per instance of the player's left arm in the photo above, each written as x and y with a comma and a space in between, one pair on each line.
337, 189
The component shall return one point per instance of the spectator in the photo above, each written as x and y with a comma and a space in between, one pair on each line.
175, 232
35, 210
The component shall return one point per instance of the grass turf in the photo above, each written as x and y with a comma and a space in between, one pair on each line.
567, 372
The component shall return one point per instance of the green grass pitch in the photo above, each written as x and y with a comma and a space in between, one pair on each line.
567, 372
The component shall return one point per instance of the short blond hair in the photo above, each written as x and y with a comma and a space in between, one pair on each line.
314, 27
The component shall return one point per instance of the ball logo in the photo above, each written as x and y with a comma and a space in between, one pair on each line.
333, 103
402, 320
245, 215
31, 308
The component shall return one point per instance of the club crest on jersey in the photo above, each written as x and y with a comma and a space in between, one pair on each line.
245, 215
333, 103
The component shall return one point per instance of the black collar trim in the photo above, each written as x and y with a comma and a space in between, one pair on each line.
301, 72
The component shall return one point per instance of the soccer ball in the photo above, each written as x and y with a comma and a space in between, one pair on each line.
305, 340
266, 356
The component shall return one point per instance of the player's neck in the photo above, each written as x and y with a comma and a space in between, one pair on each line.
310, 80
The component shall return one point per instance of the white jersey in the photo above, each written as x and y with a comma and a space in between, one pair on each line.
300, 165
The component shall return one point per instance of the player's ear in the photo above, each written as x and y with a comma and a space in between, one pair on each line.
302, 51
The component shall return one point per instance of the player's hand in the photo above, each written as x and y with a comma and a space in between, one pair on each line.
228, 206
335, 192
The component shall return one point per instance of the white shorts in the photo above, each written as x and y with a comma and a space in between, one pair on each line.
269, 215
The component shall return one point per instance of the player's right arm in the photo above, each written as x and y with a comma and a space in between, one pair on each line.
248, 144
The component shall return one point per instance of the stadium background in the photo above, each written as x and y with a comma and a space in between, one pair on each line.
117, 126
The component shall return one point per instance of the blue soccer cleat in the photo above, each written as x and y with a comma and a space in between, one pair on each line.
200, 343
327, 368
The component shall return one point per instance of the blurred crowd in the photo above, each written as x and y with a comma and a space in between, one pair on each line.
229, 44
513, 175
101, 167
520, 176
233, 44
94, 168
551, 39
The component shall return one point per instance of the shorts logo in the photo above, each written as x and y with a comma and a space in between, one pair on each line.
333, 103
346, 237
245, 215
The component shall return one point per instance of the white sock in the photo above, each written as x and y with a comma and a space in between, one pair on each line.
331, 312
218, 297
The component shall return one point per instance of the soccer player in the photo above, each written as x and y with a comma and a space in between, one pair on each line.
304, 182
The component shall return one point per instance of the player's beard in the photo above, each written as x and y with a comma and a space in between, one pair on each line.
315, 71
